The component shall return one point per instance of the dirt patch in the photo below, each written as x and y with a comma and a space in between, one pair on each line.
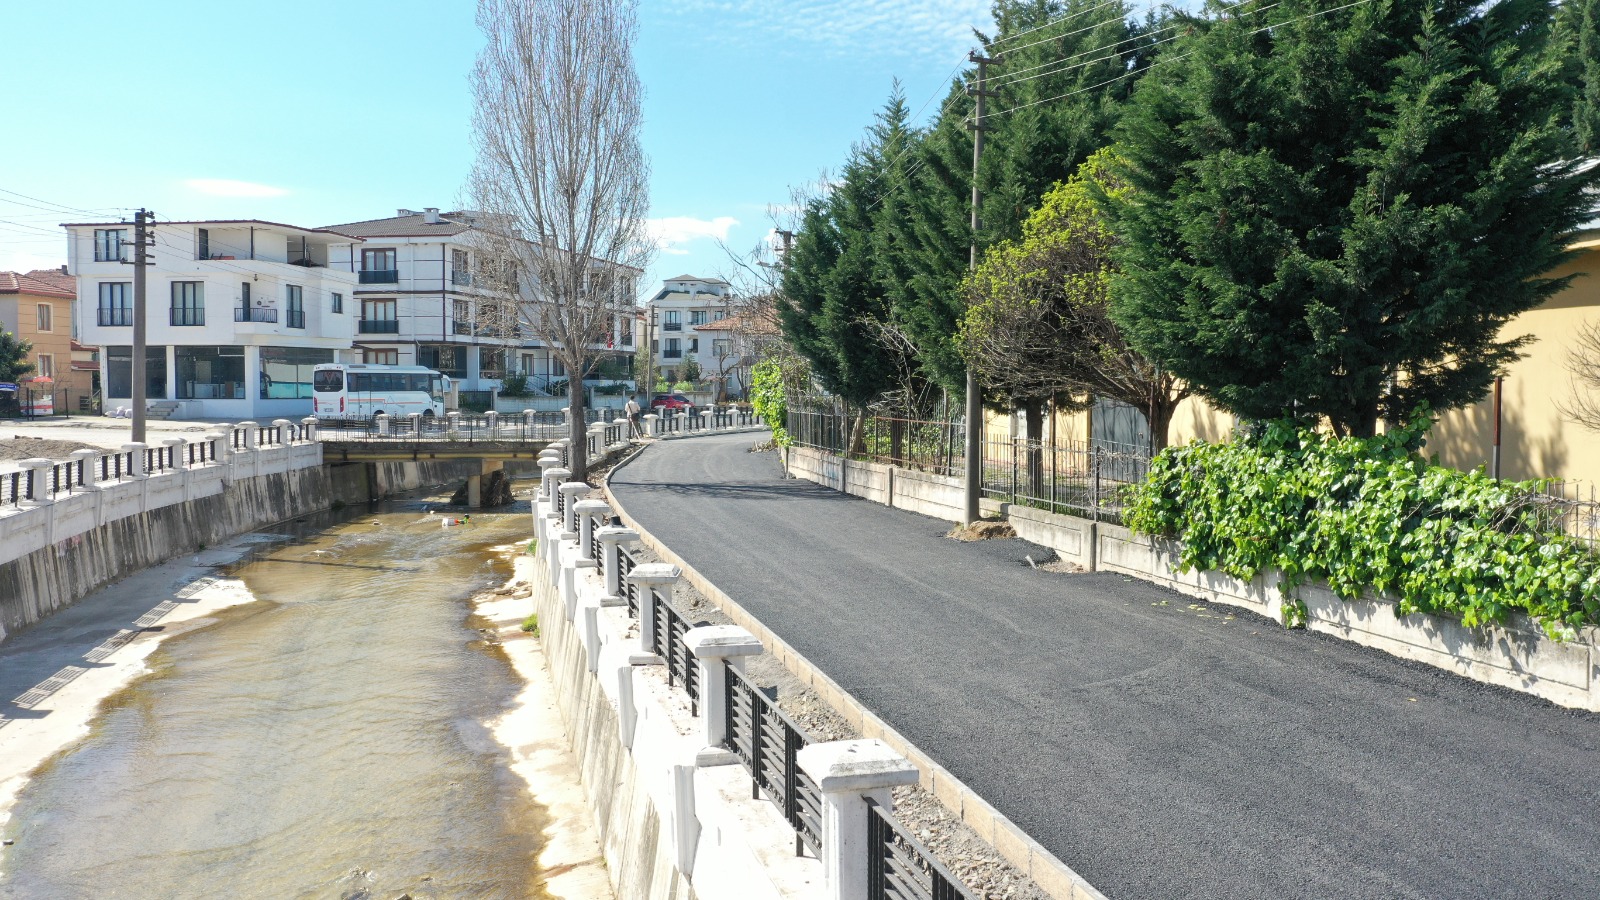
1062, 567
42, 448
982, 531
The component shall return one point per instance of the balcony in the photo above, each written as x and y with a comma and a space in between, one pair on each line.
380, 276
297, 318
115, 316
672, 326
460, 327
188, 315
463, 279
255, 315
379, 326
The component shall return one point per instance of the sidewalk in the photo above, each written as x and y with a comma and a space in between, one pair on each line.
1158, 746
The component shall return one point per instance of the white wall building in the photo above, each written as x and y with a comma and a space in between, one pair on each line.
673, 317
421, 302
237, 312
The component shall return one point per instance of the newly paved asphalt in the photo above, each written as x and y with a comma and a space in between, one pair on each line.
1154, 745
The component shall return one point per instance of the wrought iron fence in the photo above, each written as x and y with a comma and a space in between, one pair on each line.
1575, 511
928, 445
900, 868
767, 742
682, 666
1074, 478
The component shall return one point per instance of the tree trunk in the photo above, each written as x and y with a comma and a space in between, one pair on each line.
1033, 414
1160, 418
578, 430
858, 433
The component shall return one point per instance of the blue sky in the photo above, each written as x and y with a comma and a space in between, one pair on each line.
319, 112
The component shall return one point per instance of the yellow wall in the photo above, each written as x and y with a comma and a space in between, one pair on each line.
56, 343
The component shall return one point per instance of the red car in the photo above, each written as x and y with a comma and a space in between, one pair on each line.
671, 401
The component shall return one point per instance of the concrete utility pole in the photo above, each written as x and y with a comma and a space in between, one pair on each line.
972, 508
141, 259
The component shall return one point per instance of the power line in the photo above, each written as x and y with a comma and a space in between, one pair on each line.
63, 207
1058, 21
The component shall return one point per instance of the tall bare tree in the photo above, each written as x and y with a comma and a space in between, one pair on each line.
561, 178
1582, 405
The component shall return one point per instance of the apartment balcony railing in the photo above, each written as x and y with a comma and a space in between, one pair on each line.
379, 326
672, 326
380, 276
463, 279
188, 315
115, 316
297, 318
255, 315
459, 327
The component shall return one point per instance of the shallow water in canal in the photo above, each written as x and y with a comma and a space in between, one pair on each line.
327, 740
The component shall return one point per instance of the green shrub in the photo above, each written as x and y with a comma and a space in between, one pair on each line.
531, 624
515, 385
1371, 514
768, 400
683, 386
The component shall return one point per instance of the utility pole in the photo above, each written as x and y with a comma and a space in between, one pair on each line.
972, 510
141, 259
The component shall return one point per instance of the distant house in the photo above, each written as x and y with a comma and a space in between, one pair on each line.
735, 344
38, 307
677, 314
238, 312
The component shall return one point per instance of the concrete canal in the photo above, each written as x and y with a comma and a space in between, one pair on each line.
327, 740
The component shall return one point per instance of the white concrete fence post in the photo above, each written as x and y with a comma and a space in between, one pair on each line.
650, 578
416, 424
39, 477
527, 420
86, 460
683, 422
548, 460
136, 465
176, 444
492, 420
713, 645
848, 773
571, 493
285, 431
624, 427
611, 539
251, 432
709, 417
590, 510
382, 420
310, 423
220, 446
452, 424
652, 425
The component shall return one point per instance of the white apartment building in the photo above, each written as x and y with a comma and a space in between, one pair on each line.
420, 301
674, 316
237, 312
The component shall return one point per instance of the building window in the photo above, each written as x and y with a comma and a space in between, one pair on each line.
673, 321
378, 317
448, 359
119, 372
47, 366
491, 362
721, 349
460, 267
718, 316
379, 267
202, 243
116, 306
461, 317
627, 338
338, 303
286, 371
42, 321
697, 318
210, 373
694, 345
295, 302
527, 363
674, 348
108, 244
188, 303
381, 357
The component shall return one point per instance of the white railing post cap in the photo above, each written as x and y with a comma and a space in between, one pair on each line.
591, 506
38, 462
574, 488
855, 766
173, 442
558, 473
721, 641
655, 573
615, 534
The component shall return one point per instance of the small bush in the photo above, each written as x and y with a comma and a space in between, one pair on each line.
531, 624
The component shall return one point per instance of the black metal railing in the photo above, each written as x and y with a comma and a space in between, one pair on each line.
257, 314
378, 326
296, 318
16, 487
379, 276
899, 867
188, 315
927, 445
115, 316
670, 627
626, 562
767, 741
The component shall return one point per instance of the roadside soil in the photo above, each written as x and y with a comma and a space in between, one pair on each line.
21, 447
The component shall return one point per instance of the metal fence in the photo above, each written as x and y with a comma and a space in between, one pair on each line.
900, 868
1575, 511
931, 446
767, 742
80, 474
467, 428
1074, 478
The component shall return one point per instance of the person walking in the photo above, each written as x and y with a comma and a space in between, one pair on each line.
633, 417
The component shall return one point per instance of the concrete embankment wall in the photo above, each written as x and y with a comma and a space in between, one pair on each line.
53, 554
1517, 655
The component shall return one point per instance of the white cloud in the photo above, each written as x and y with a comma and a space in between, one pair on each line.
223, 187
671, 232
900, 27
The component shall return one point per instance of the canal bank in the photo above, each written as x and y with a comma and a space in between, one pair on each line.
326, 726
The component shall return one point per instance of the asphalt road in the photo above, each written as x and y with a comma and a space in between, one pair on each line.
1157, 746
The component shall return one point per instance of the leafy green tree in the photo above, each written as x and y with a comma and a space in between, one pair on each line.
1336, 209
1579, 45
1039, 325
690, 370
14, 352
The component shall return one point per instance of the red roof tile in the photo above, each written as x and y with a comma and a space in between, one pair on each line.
40, 282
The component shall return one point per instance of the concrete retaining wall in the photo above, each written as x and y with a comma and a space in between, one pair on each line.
1517, 655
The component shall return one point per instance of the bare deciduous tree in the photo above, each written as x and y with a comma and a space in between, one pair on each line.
1583, 361
561, 178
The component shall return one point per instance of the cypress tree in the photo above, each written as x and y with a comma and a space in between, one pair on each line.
1336, 210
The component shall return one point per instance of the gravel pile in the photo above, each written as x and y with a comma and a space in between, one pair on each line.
21, 447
